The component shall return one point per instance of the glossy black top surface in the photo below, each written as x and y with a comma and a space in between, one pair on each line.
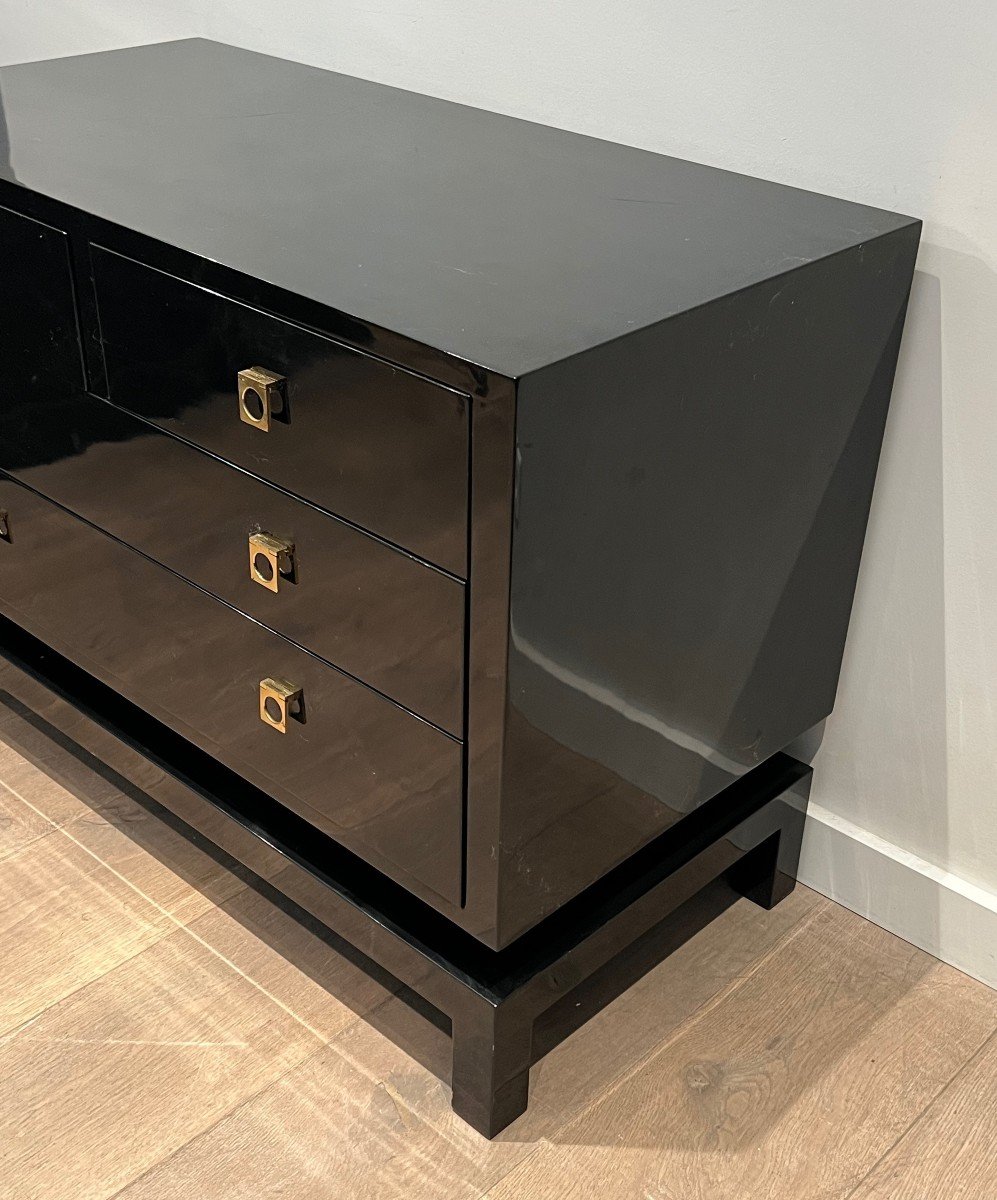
506, 243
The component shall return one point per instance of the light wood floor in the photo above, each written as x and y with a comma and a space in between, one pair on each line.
166, 1032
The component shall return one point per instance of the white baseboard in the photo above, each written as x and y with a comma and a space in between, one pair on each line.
950, 918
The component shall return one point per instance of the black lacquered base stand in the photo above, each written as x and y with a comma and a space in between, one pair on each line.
506, 1008
664, 894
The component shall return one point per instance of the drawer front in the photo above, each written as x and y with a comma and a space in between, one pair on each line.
380, 615
380, 781
38, 336
372, 443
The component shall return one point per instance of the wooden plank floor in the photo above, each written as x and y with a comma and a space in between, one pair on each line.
167, 1032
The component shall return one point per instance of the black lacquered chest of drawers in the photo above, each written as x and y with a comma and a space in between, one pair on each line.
468, 510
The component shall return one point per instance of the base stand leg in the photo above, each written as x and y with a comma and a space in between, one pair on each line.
767, 874
492, 1046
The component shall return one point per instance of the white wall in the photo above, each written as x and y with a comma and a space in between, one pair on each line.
890, 104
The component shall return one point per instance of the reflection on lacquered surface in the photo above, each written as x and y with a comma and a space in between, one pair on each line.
6, 167
38, 339
690, 512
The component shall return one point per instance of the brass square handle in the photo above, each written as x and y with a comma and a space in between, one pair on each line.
271, 559
280, 702
261, 397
